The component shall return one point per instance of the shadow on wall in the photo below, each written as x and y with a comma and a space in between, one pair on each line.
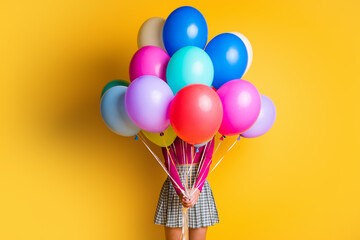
77, 127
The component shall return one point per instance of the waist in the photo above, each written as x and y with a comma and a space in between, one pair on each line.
187, 164
188, 172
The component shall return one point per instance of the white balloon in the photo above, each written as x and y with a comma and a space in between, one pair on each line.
150, 33
248, 48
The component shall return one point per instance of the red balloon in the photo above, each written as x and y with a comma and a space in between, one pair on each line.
196, 113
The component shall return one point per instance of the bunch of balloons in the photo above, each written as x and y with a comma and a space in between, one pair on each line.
183, 86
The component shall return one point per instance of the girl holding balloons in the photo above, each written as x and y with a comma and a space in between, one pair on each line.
195, 114
183, 91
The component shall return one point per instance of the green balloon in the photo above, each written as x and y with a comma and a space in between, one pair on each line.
114, 83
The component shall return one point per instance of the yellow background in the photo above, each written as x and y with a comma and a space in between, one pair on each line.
64, 175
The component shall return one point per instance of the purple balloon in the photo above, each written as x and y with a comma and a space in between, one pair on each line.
147, 102
265, 120
241, 106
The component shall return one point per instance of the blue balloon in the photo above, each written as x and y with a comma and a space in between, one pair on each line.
229, 56
113, 112
185, 26
187, 66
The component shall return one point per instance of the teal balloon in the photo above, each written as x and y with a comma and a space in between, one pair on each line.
189, 65
113, 84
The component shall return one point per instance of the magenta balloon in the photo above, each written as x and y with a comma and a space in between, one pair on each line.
241, 106
265, 120
147, 102
149, 60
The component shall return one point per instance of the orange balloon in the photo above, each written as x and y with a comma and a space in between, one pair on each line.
196, 113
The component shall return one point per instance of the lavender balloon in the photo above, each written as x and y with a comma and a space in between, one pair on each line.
147, 102
265, 120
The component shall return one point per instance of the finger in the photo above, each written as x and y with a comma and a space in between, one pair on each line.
186, 200
194, 201
186, 203
186, 206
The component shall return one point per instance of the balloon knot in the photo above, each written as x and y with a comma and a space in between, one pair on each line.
197, 149
136, 137
222, 138
161, 134
238, 138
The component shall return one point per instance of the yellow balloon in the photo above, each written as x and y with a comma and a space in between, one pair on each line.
163, 141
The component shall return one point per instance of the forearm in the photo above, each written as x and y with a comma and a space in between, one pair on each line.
203, 173
174, 175
205, 165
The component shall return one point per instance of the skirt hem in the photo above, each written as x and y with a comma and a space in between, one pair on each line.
172, 226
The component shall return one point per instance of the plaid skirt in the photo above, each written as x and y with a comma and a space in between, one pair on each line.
169, 208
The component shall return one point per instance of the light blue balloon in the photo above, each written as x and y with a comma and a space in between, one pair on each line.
187, 66
201, 144
113, 112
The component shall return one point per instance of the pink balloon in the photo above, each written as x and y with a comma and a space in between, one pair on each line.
149, 60
241, 105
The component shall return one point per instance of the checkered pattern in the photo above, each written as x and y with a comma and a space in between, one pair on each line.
169, 209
